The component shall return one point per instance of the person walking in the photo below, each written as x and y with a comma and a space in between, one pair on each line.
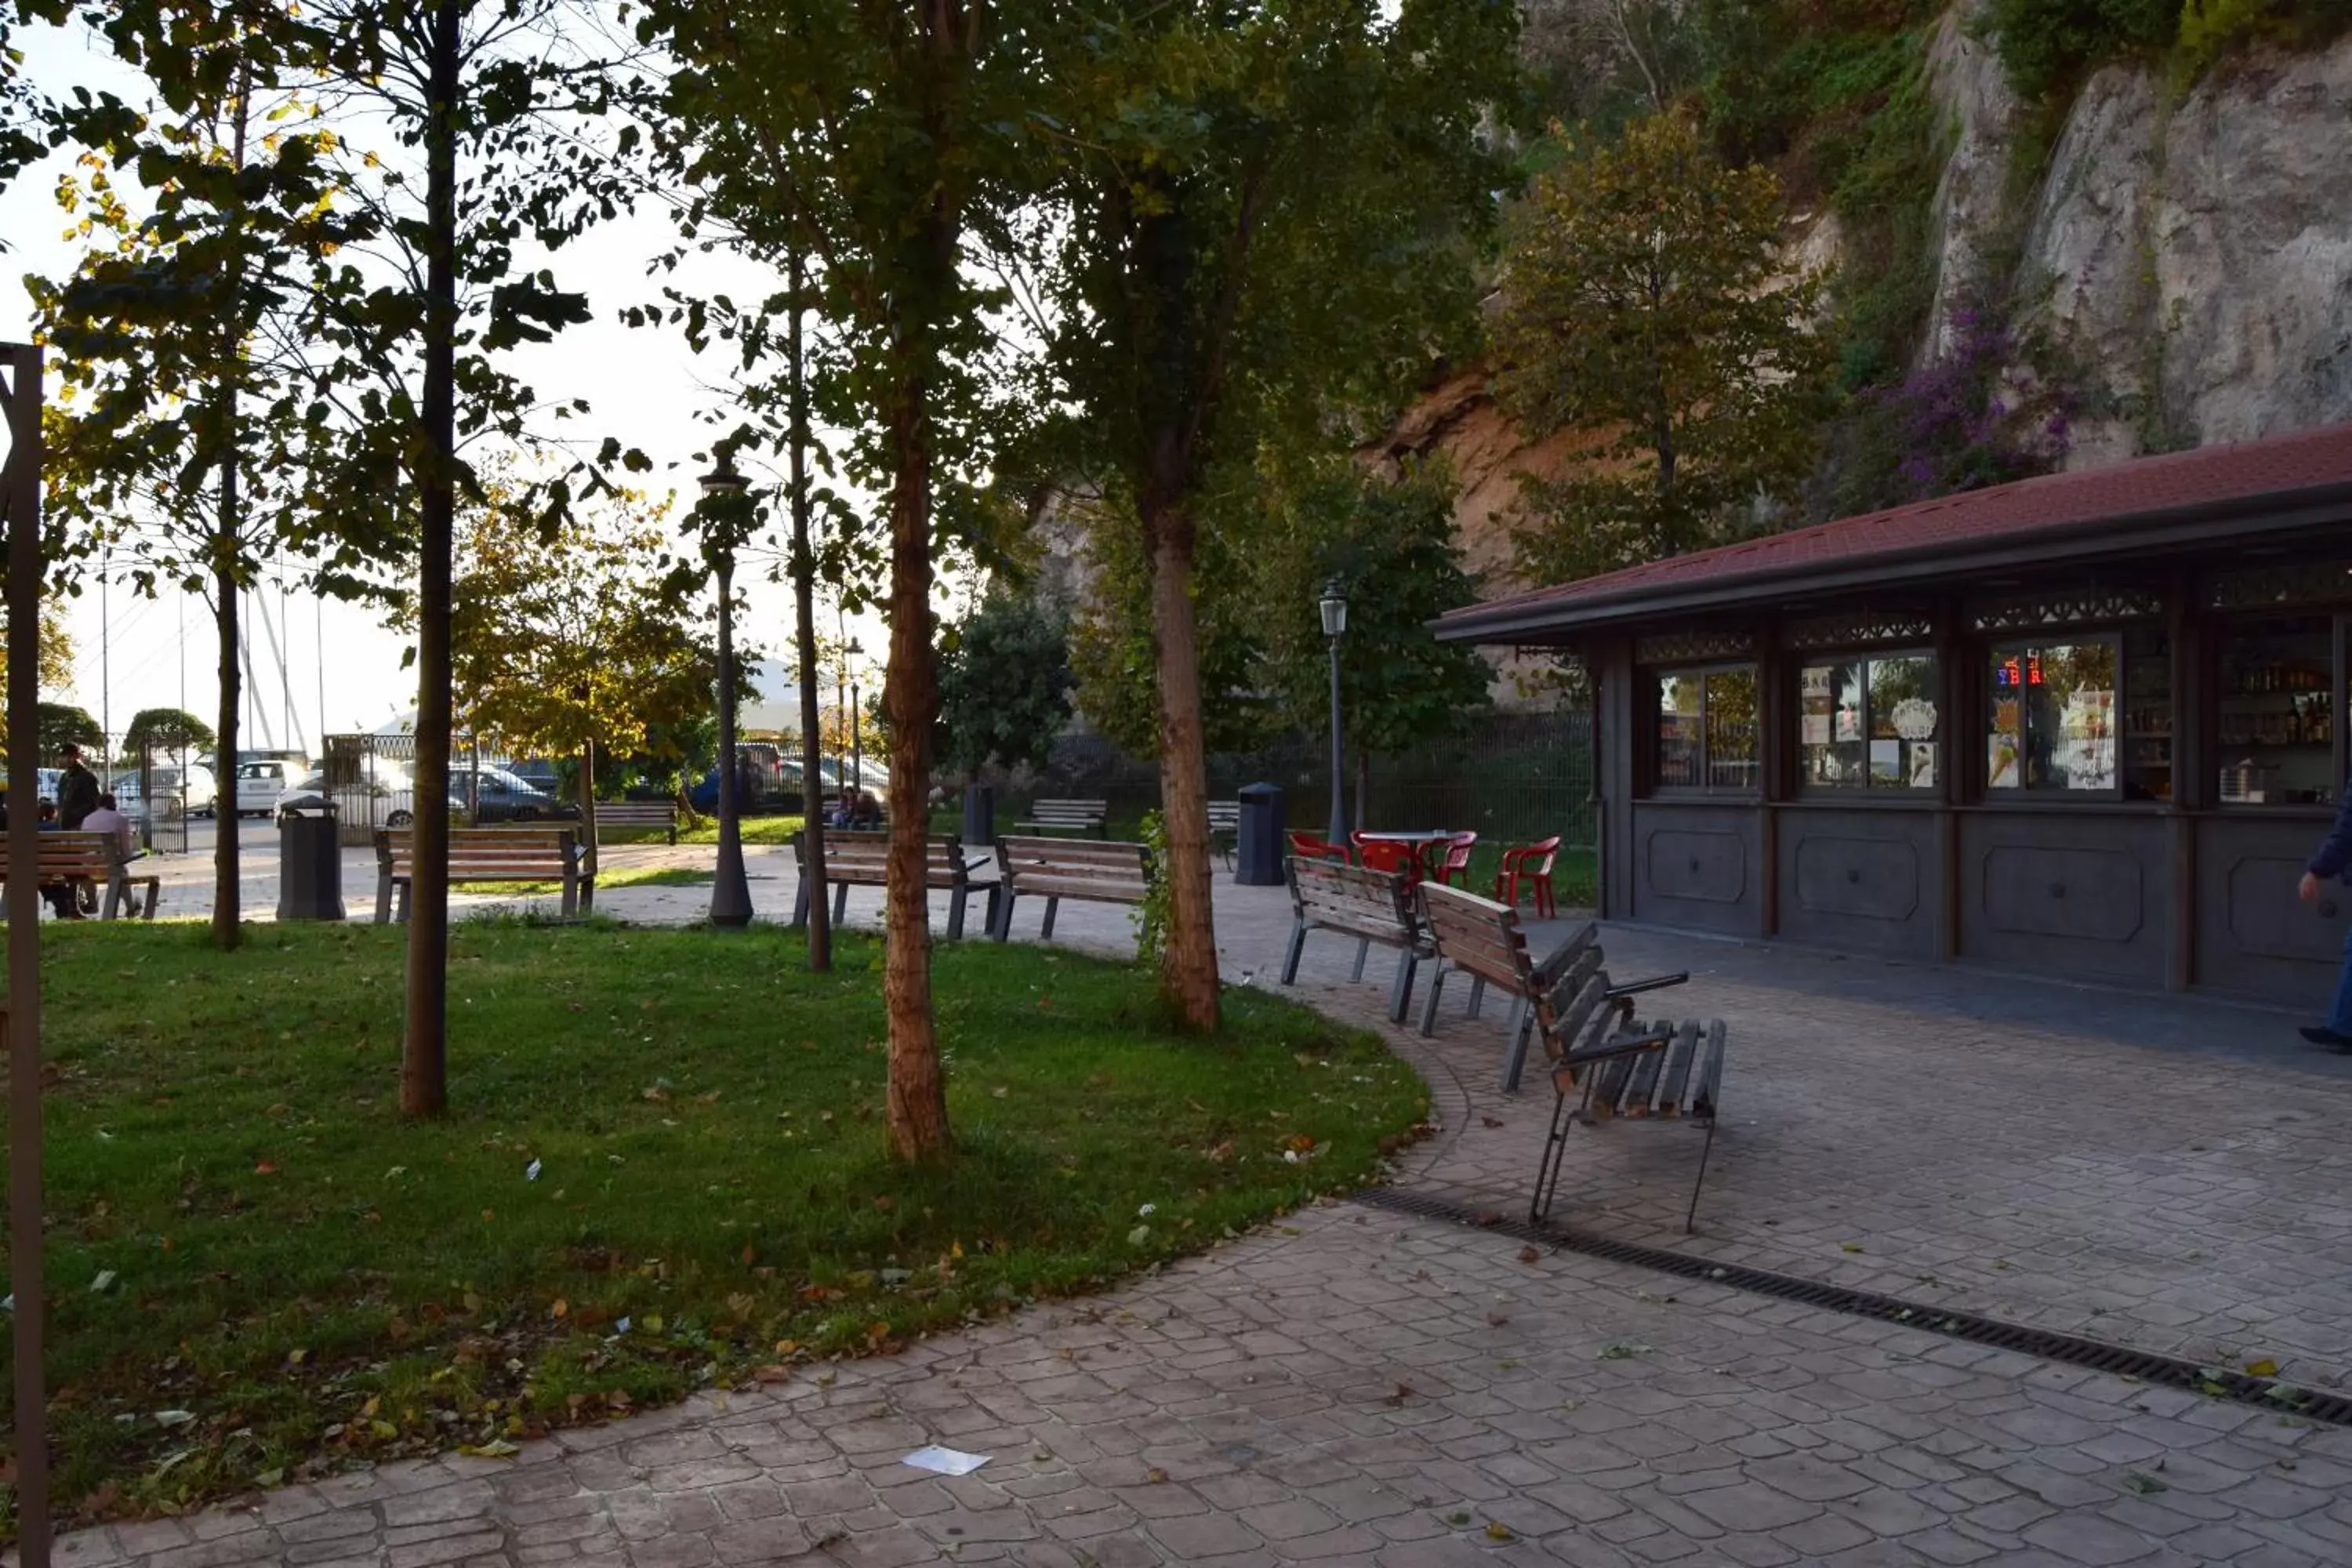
2333, 860
77, 792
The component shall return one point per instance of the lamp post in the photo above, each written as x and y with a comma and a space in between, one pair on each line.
730, 891
1334, 606
857, 731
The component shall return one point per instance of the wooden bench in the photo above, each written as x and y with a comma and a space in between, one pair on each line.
1605, 1067
532, 854
85, 862
1485, 939
1226, 829
1068, 816
1058, 868
863, 860
1370, 906
637, 817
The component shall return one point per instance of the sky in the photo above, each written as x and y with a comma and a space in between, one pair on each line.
343, 666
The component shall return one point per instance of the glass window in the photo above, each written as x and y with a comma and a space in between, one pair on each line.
2053, 720
1707, 729
1868, 722
2274, 729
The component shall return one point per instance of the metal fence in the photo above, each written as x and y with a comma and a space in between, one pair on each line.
1515, 778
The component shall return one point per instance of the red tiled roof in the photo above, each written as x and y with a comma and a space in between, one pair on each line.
2211, 476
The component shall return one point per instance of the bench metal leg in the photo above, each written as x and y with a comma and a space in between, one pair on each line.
383, 897
1555, 1150
1690, 1220
404, 888
840, 903
571, 897
1363, 952
801, 904
1290, 954
1046, 933
1001, 928
995, 896
955, 915
154, 891
115, 888
1514, 1053
1400, 989
1429, 999
1477, 994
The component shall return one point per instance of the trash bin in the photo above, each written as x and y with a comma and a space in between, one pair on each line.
979, 815
1258, 854
310, 865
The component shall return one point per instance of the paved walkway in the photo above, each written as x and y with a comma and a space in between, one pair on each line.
1355, 1387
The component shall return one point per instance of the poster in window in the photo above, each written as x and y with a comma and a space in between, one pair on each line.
1922, 764
1887, 762
2001, 767
1813, 729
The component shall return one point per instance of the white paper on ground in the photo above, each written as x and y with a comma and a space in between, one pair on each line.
945, 1461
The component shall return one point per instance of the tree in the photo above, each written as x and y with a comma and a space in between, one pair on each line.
1004, 688
180, 425
575, 643
1646, 298
63, 724
1389, 546
55, 652
1263, 228
167, 729
867, 137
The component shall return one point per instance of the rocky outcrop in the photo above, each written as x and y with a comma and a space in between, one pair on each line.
2189, 256
1982, 118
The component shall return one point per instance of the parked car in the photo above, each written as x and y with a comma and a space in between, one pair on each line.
197, 792
384, 794
540, 773
500, 797
784, 792
260, 783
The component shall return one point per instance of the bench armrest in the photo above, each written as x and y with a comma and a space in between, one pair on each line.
1654, 982
1618, 1045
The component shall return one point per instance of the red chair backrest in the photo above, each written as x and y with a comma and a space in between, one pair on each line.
1458, 856
1316, 848
1379, 856
1537, 857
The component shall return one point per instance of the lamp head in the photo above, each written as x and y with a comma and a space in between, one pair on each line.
724, 482
1334, 606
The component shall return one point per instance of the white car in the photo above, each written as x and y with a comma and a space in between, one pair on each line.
198, 793
261, 782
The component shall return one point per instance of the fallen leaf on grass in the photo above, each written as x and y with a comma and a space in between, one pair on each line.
266, 1168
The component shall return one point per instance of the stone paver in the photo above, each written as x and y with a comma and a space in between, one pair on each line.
1362, 1387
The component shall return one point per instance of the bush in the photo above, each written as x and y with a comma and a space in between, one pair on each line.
2049, 45
2212, 28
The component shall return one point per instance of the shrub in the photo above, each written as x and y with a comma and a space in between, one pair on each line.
2049, 45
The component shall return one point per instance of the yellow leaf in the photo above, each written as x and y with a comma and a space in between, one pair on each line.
562, 1308
2263, 1367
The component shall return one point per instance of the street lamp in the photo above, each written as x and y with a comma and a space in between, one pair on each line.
730, 890
1334, 606
856, 733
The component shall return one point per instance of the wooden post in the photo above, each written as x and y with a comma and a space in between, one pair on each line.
20, 505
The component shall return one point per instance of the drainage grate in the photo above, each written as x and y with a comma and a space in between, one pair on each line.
2170, 1371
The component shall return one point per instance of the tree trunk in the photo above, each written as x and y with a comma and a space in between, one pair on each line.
820, 915
1188, 970
588, 807
918, 1097
228, 908
424, 1052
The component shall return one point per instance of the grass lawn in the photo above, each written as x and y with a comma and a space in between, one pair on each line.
664, 1167
756, 830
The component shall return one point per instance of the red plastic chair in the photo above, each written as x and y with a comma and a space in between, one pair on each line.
1379, 856
1457, 861
1314, 849
1532, 863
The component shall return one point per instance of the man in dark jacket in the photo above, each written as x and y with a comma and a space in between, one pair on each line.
2333, 859
77, 792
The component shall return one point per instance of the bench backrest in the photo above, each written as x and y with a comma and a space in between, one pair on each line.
1111, 862
76, 854
1225, 815
1077, 813
1478, 934
1681, 1076
490, 854
857, 853
1328, 893
636, 813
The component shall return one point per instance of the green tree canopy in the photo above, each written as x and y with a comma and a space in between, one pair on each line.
167, 729
1004, 685
63, 725
1647, 300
